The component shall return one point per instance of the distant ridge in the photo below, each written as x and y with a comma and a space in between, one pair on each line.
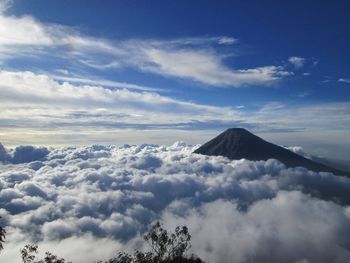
238, 143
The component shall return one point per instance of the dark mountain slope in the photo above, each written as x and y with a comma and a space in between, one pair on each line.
238, 143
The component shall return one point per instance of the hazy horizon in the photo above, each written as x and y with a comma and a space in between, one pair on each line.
320, 147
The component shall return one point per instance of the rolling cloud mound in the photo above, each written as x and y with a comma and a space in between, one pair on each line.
74, 200
23, 154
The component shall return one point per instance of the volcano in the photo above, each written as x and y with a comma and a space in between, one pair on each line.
238, 143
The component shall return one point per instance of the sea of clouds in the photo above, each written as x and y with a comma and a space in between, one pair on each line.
88, 203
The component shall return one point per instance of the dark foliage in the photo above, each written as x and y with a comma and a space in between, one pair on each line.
29, 252
165, 248
2, 237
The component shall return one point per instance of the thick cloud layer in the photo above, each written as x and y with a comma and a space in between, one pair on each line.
4, 156
22, 154
237, 211
25, 154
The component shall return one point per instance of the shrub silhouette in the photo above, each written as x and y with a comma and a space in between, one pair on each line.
165, 248
28, 256
2, 237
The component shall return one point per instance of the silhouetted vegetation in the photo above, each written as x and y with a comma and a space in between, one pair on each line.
29, 252
2, 237
165, 248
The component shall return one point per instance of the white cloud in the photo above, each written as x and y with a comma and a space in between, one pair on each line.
298, 150
297, 62
196, 59
272, 107
108, 194
344, 80
4, 156
206, 67
25, 36
26, 95
226, 40
281, 229
308, 116
104, 83
22, 31
30, 101
4, 5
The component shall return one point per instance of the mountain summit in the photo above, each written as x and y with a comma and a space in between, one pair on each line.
238, 143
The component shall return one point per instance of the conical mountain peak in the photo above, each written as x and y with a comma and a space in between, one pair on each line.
237, 135
241, 132
238, 143
238, 131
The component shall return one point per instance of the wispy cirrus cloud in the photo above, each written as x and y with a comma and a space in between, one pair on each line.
344, 80
38, 98
197, 59
206, 67
315, 115
4, 5
104, 83
297, 62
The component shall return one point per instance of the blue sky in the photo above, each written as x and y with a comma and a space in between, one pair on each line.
81, 72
